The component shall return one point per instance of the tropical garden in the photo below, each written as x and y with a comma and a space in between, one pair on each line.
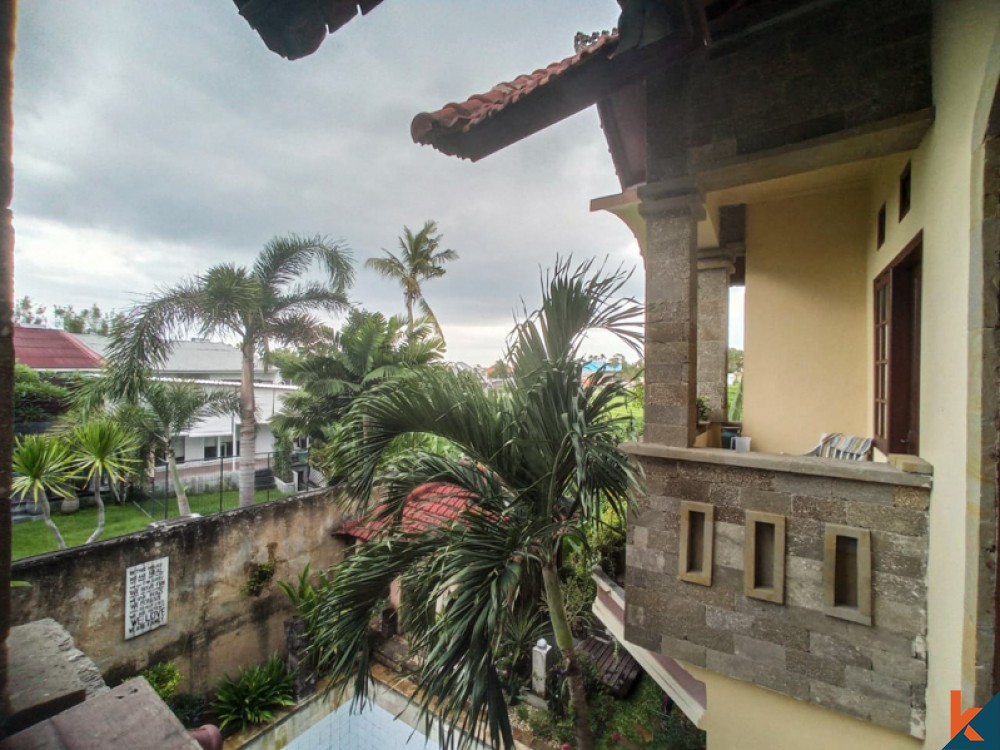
536, 464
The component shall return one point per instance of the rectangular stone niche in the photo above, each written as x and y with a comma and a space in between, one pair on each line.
847, 573
697, 537
764, 557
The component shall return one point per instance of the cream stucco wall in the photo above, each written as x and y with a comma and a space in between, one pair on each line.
741, 716
963, 34
805, 360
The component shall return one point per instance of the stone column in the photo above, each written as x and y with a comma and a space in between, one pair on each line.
713, 333
671, 314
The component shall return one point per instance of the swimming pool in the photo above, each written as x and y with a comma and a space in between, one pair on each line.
372, 729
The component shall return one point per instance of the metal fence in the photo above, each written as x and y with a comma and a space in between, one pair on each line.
212, 485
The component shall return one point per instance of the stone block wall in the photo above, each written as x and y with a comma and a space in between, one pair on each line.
213, 625
831, 69
877, 673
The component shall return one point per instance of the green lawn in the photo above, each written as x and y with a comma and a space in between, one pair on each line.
631, 414
35, 538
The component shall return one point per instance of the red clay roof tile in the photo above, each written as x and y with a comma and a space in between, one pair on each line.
460, 117
52, 349
429, 505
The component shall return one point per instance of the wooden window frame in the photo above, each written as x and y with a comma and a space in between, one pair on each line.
861, 612
685, 571
896, 311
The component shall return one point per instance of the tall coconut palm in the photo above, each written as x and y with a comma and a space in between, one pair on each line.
540, 460
102, 449
419, 259
44, 466
368, 350
257, 306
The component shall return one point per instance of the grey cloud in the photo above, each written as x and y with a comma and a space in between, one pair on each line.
171, 122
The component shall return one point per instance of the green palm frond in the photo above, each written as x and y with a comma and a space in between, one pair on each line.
285, 259
103, 448
539, 463
368, 350
419, 259
42, 466
142, 339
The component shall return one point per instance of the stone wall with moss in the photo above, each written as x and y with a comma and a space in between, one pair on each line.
224, 609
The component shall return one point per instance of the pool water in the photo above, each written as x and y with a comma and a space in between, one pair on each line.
372, 729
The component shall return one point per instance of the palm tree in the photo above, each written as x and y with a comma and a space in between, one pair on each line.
43, 466
419, 259
257, 306
540, 461
167, 410
368, 350
102, 450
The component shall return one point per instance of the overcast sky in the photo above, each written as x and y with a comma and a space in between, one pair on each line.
155, 139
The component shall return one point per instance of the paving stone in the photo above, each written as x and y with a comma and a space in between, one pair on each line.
761, 652
902, 589
887, 518
898, 554
804, 538
766, 501
726, 619
815, 667
911, 498
870, 683
826, 509
838, 650
729, 545
130, 716
913, 671
42, 679
782, 630
798, 484
724, 494
896, 617
862, 492
682, 650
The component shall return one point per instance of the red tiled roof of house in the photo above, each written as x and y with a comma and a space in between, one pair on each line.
428, 127
429, 505
52, 349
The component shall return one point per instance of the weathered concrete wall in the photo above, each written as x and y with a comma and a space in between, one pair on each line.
875, 672
213, 627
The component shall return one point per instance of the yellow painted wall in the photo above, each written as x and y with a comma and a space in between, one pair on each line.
806, 343
963, 35
742, 716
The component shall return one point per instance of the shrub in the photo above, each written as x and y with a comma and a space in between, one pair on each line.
304, 595
258, 576
255, 694
164, 678
191, 709
633, 719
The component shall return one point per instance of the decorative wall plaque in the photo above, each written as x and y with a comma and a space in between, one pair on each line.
146, 596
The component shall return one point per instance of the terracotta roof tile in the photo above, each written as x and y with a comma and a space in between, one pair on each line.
461, 117
52, 349
429, 505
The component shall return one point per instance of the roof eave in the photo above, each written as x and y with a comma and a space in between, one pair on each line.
593, 80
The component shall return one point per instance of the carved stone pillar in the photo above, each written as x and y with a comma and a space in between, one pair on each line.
671, 314
713, 331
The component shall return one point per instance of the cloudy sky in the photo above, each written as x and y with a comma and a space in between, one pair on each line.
155, 139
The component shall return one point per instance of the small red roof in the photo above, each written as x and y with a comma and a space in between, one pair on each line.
429, 505
53, 349
455, 118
